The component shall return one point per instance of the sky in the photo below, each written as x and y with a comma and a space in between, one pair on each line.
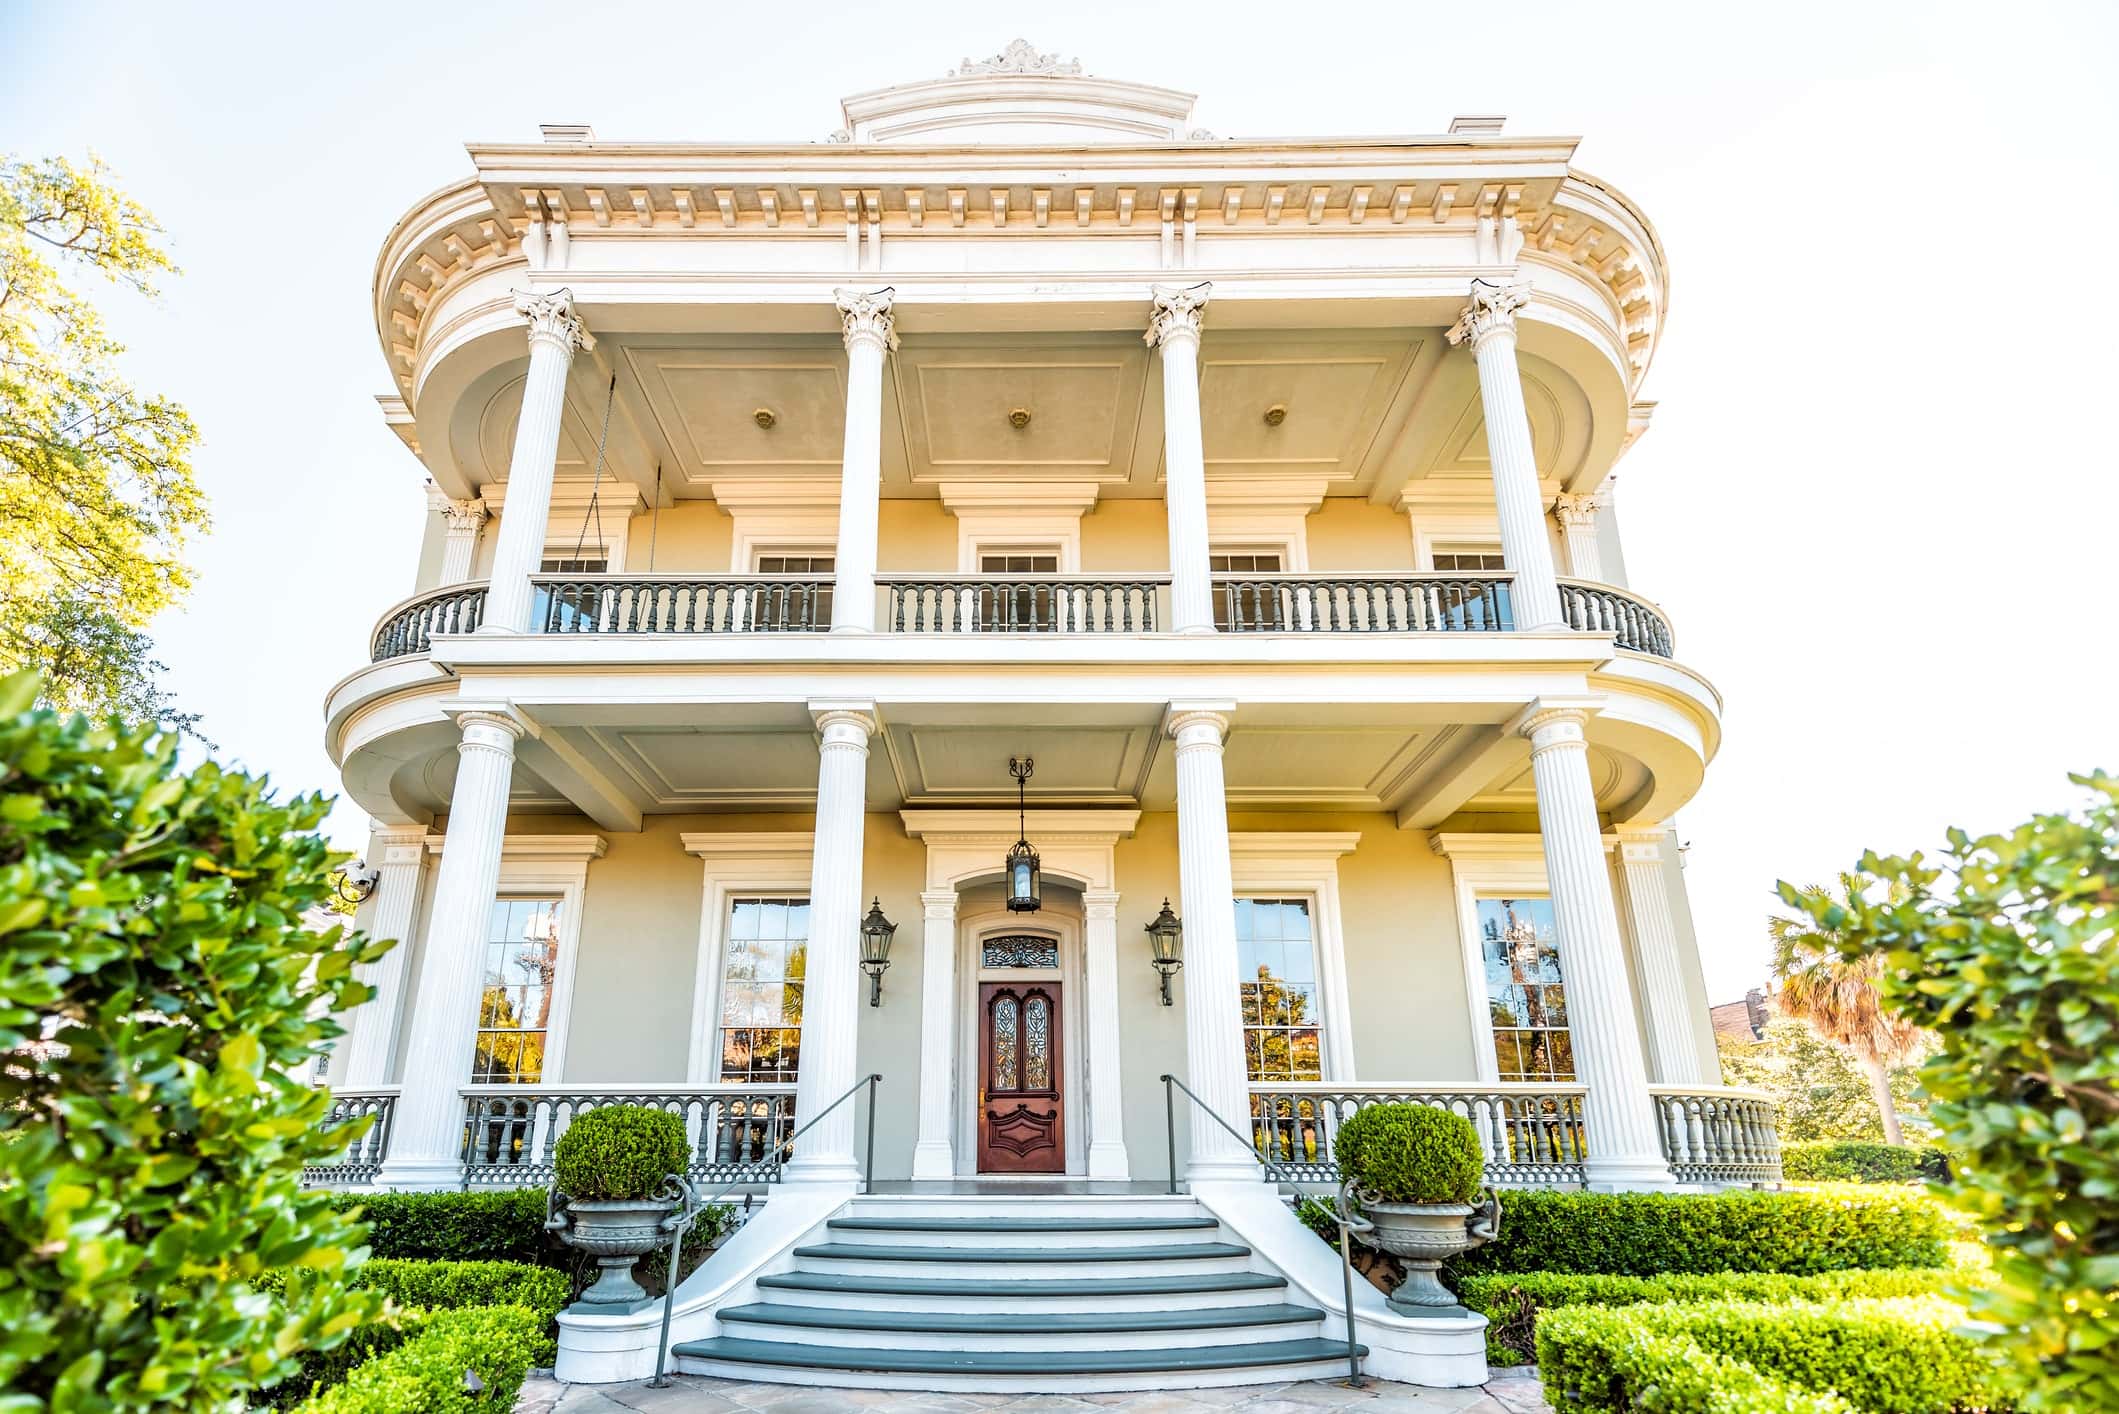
1877, 498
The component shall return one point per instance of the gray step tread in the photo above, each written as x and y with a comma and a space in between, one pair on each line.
946, 1224
1014, 1362
1022, 1323
1203, 1283
1172, 1252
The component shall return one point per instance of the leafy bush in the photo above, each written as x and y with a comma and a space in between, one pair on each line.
321, 1369
1608, 1362
499, 1344
2005, 951
1647, 1234
1851, 1161
1411, 1154
448, 1285
505, 1226
1513, 1302
1880, 1357
620, 1151
151, 1154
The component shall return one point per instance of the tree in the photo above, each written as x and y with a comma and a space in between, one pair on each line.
159, 993
1839, 995
2008, 952
97, 496
1820, 1093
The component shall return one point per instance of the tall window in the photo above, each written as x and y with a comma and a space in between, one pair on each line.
1526, 997
1258, 607
1027, 606
515, 1001
798, 608
761, 989
1277, 979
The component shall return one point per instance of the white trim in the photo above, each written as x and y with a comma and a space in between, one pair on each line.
1275, 515
617, 503
1282, 863
999, 517
1066, 931
1431, 532
773, 863
1489, 866
774, 517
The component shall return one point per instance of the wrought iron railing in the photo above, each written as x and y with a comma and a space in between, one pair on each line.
1362, 603
1531, 1135
364, 1157
734, 1131
410, 627
1045, 603
1604, 608
689, 604
1713, 1134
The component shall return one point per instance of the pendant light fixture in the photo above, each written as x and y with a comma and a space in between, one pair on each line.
1023, 866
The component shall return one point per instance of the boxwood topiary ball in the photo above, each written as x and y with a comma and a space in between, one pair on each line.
1411, 1154
620, 1151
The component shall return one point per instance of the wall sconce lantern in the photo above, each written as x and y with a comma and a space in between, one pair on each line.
1024, 868
876, 935
356, 882
1166, 936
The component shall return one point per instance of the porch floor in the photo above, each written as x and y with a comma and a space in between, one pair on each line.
1001, 1187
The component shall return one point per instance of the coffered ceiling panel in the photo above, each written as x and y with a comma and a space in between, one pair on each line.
496, 437
969, 765
683, 767
707, 405
1362, 768
1285, 406
960, 403
1615, 778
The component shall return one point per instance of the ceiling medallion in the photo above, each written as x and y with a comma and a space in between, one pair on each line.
1276, 414
1019, 418
765, 418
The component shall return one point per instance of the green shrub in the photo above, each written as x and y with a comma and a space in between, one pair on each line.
1411, 1154
1647, 1234
1882, 1357
500, 1344
505, 1226
1512, 1302
151, 1158
1853, 1161
321, 1369
449, 1285
620, 1151
1607, 1362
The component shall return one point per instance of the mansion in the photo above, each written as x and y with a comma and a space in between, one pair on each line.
924, 634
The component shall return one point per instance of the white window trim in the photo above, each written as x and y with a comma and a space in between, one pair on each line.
1490, 866
759, 546
1291, 863
1447, 532
996, 517
777, 517
617, 503
1285, 536
772, 864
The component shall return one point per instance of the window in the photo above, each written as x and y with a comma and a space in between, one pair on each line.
1258, 606
1032, 607
1277, 981
1030, 562
1469, 560
589, 562
761, 989
798, 608
1526, 998
515, 1000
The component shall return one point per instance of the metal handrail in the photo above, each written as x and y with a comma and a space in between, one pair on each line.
1342, 1212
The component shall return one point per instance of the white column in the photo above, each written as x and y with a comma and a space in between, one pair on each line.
1213, 1017
831, 996
462, 521
934, 1155
871, 331
1174, 329
1577, 516
1489, 325
1673, 1057
426, 1136
1623, 1146
400, 861
555, 333
1107, 1125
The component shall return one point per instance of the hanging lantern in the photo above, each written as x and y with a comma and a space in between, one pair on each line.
876, 935
1166, 937
1024, 869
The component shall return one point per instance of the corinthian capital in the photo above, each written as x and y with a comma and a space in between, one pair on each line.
1492, 311
1579, 511
552, 320
1178, 312
867, 317
463, 517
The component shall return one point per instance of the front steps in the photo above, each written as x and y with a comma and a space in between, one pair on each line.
1016, 1295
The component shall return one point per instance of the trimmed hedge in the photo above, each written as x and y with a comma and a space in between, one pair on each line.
1411, 1154
506, 1226
1851, 1161
450, 1285
1617, 1365
1880, 1357
1649, 1234
1512, 1302
619, 1152
500, 1344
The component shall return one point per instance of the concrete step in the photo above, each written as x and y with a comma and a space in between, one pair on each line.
1034, 1330
1095, 1290
1005, 1372
1026, 1232
1011, 1264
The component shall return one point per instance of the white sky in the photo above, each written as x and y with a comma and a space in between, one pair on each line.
1876, 499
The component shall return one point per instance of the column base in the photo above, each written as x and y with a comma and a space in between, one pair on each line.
1108, 1160
825, 1169
933, 1161
497, 629
852, 628
420, 1175
1627, 1175
1236, 1169
1192, 630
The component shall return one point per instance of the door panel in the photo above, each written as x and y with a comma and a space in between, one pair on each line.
1020, 1107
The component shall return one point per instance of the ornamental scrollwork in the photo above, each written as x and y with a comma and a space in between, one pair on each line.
866, 316
552, 319
1492, 311
1179, 310
1020, 57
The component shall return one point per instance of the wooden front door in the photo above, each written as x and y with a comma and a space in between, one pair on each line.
1019, 1078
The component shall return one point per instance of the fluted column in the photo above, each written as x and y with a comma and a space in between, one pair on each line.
461, 523
1214, 1061
555, 333
1174, 329
1107, 1127
934, 1155
426, 1137
1577, 516
1672, 1055
1623, 1148
1488, 324
871, 331
831, 994
400, 862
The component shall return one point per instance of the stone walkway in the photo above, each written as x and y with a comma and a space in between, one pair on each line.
1508, 1393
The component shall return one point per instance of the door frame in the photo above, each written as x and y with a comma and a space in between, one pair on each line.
1066, 930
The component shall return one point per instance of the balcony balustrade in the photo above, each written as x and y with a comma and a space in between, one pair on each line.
1717, 1135
1531, 1135
1604, 608
1355, 603
761, 603
410, 627
364, 1156
1044, 603
734, 1131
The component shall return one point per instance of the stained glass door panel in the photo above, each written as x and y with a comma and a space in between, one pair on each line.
1020, 1105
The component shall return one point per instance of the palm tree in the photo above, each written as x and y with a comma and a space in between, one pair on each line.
1838, 996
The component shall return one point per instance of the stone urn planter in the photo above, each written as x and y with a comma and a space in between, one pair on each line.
1421, 1236
1412, 1186
617, 1232
617, 1189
